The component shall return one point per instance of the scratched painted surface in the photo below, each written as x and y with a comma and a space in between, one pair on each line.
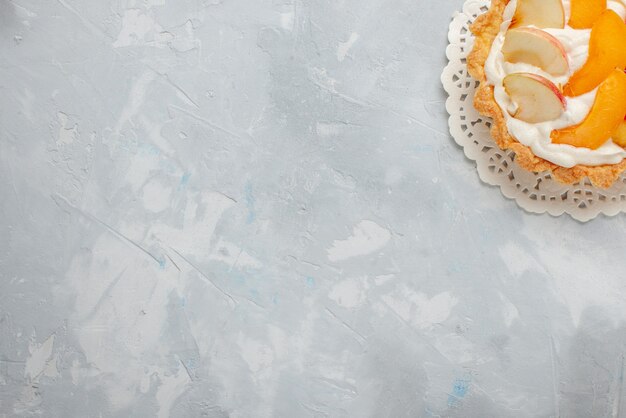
238, 208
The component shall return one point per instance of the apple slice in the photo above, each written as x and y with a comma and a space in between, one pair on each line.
535, 47
584, 13
539, 13
537, 98
605, 116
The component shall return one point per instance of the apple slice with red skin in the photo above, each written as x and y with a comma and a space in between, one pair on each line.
537, 99
539, 13
536, 47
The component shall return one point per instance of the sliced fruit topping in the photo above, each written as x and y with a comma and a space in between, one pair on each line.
584, 13
607, 51
606, 114
537, 99
619, 136
539, 13
535, 47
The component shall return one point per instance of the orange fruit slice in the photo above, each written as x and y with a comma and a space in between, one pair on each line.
606, 114
607, 51
584, 13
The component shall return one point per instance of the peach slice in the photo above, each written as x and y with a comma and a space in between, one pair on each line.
619, 136
537, 98
539, 13
535, 47
606, 114
584, 13
607, 51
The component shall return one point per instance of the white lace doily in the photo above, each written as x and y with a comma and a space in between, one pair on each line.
537, 193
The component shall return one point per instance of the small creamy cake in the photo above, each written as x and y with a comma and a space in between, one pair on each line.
552, 79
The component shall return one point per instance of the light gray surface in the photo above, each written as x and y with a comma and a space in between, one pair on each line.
232, 208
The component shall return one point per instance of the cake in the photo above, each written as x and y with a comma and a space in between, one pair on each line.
552, 79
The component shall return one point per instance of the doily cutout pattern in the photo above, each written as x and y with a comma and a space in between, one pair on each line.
535, 193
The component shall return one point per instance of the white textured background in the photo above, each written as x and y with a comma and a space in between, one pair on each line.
252, 208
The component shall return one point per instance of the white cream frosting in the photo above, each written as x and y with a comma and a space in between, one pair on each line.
537, 135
